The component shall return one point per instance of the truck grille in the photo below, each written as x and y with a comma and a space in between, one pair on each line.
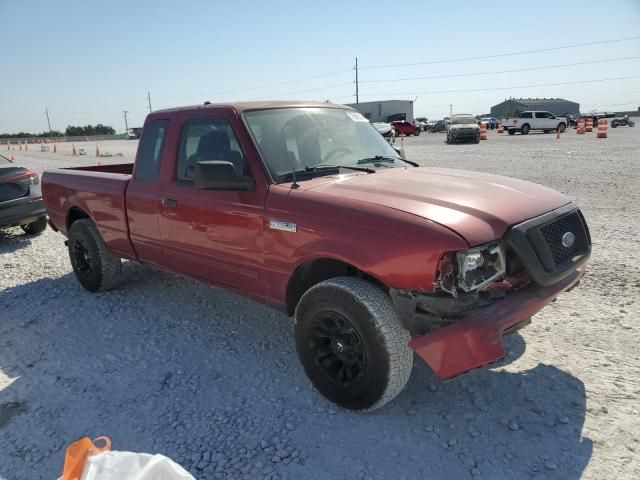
554, 232
539, 244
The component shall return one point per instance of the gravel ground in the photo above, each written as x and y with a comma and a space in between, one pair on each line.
211, 380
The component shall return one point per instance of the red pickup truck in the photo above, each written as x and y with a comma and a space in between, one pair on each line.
305, 207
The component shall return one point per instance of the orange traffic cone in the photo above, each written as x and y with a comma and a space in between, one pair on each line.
97, 151
483, 131
589, 125
558, 133
73, 151
500, 128
602, 128
580, 129
12, 158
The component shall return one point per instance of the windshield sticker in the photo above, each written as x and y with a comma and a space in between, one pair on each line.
356, 117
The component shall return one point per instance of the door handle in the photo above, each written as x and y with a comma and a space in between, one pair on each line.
168, 203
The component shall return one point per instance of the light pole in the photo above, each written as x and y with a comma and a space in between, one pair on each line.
126, 125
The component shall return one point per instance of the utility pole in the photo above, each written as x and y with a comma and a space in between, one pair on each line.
126, 125
149, 98
46, 111
450, 111
357, 96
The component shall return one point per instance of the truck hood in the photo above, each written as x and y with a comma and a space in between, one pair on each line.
480, 207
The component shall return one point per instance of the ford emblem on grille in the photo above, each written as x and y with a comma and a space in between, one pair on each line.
568, 239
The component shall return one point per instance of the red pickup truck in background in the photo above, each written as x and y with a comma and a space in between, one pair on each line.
305, 207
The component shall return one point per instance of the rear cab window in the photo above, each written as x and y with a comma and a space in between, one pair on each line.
152, 144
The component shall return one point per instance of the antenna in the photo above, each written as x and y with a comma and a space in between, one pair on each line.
294, 185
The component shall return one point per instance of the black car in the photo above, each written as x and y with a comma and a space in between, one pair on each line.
21, 198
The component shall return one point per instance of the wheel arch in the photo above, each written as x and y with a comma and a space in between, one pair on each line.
316, 270
75, 213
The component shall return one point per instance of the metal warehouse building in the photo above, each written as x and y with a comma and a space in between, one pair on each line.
557, 106
385, 110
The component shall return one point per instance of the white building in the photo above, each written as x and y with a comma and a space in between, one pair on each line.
385, 110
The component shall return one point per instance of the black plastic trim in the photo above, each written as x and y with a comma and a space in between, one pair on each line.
527, 241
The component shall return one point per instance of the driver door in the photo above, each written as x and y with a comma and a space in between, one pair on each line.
216, 235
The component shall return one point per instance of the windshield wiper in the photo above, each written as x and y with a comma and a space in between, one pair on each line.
385, 158
321, 169
316, 168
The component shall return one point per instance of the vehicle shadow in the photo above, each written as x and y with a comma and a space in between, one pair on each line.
13, 239
166, 365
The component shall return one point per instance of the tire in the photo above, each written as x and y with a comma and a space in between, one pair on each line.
95, 267
416, 133
562, 127
524, 130
512, 131
476, 139
35, 228
347, 318
632, 124
614, 125
448, 140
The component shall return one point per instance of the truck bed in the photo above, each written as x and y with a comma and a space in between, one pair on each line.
95, 191
124, 168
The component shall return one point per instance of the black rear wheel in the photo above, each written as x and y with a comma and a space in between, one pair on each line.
95, 267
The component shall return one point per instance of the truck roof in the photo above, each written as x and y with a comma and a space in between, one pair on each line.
256, 105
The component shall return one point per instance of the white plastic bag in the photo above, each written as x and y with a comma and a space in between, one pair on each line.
132, 466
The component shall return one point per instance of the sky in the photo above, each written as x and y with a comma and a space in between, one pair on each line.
86, 62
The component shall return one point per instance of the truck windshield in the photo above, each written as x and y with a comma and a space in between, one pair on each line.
303, 138
462, 120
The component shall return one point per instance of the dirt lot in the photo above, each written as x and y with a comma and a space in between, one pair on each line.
171, 366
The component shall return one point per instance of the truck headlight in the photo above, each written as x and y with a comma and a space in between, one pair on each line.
480, 266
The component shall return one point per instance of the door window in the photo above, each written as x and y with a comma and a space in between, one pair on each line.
542, 115
208, 139
151, 148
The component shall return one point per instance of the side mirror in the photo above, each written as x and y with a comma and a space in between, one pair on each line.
219, 175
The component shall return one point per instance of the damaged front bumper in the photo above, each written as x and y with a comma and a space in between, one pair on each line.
475, 340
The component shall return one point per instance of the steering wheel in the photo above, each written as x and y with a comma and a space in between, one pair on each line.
335, 151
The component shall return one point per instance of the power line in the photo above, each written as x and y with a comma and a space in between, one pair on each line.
527, 69
507, 54
506, 88
258, 87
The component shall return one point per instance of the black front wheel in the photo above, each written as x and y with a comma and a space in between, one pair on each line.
525, 129
35, 228
351, 343
95, 267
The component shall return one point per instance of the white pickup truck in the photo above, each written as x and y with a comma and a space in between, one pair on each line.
534, 120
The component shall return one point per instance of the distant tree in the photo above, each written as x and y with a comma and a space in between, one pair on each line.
422, 119
89, 130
